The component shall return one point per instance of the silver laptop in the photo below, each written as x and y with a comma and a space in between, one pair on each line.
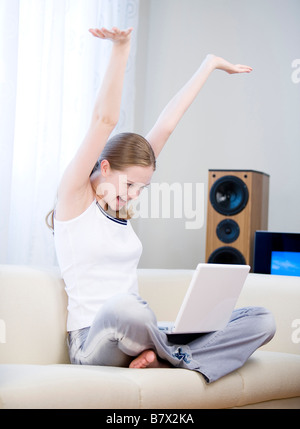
209, 300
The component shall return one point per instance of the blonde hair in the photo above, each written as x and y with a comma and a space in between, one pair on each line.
126, 150
121, 151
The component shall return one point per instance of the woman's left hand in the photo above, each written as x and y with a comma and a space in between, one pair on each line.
221, 64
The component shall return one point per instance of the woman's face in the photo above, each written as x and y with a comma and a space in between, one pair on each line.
117, 188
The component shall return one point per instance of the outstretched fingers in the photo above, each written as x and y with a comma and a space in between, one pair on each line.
115, 34
240, 68
221, 64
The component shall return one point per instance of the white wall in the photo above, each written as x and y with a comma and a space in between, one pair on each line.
238, 122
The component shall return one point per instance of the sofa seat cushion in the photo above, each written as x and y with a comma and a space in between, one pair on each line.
65, 387
267, 376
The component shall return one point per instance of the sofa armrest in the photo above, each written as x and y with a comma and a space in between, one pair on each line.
33, 311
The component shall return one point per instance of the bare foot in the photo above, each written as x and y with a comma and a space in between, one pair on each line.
148, 359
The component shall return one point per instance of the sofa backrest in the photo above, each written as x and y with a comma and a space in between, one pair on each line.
33, 309
279, 294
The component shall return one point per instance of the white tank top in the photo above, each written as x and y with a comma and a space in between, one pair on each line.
98, 256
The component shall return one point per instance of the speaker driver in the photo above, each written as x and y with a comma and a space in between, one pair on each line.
226, 255
228, 231
229, 195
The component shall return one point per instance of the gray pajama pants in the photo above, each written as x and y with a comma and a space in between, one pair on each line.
125, 326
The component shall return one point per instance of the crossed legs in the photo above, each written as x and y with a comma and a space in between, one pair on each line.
125, 333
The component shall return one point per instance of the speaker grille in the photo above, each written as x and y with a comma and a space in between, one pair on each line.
237, 207
228, 231
226, 255
229, 195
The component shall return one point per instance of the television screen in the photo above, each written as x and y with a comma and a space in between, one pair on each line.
277, 253
285, 263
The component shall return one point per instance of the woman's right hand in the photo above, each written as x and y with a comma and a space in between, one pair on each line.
115, 34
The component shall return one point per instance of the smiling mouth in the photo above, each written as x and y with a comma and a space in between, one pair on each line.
120, 201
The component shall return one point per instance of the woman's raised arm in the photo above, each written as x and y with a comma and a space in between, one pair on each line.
179, 104
75, 190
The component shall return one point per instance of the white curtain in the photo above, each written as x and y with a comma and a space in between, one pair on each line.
50, 71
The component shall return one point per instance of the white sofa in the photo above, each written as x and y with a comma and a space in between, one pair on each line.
35, 371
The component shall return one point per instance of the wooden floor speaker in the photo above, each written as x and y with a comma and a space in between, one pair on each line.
238, 202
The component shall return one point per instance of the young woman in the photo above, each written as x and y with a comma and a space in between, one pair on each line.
98, 251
